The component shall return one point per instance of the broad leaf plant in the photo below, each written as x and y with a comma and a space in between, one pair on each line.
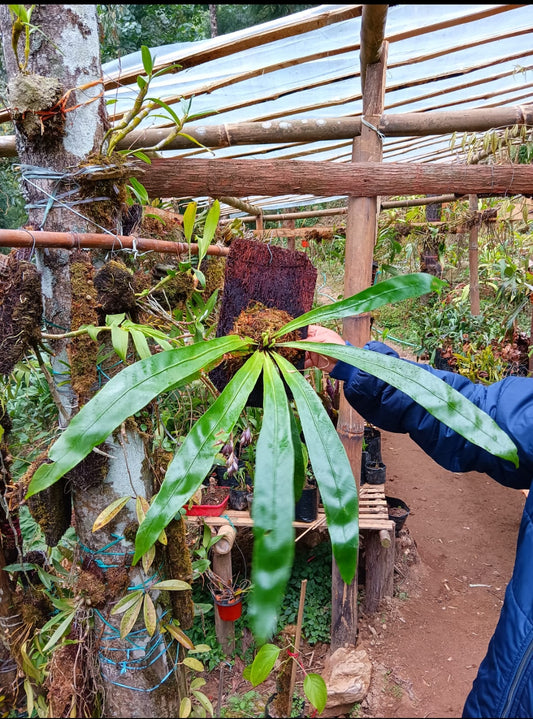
279, 471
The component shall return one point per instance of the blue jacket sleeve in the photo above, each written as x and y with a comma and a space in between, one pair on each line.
509, 402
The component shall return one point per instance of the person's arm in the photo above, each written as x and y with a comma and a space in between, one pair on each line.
509, 403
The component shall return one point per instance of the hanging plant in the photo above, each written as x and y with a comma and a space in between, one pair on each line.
279, 459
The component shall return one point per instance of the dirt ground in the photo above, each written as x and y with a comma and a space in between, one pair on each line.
454, 559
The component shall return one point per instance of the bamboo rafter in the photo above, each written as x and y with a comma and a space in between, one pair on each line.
93, 240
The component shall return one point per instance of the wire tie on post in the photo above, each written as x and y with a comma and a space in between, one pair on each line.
372, 127
33, 240
76, 239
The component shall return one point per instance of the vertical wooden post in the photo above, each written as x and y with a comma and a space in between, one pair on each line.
473, 256
291, 239
361, 233
222, 566
259, 226
379, 556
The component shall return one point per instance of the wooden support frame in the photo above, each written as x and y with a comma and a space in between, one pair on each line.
376, 527
361, 233
177, 177
314, 129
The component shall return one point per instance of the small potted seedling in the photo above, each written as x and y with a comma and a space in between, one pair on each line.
227, 595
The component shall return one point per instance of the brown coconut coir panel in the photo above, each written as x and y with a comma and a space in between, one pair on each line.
21, 309
272, 275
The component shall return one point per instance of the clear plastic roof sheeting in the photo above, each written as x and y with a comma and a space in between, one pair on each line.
440, 57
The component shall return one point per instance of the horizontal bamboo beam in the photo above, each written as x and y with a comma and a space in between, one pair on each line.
90, 241
318, 231
315, 129
387, 205
243, 206
324, 232
176, 177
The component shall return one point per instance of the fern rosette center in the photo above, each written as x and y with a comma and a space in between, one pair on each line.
260, 323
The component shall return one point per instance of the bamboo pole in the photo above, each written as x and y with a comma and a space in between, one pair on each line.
89, 241
373, 21
361, 233
315, 129
241, 205
297, 637
415, 202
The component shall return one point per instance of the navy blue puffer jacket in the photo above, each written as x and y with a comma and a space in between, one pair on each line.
504, 683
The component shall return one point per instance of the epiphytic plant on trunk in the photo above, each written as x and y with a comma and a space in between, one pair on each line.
279, 445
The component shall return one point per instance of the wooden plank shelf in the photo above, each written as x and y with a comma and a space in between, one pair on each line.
373, 513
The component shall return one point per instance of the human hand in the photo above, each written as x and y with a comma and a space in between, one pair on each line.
316, 333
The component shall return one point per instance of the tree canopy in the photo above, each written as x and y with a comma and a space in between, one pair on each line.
124, 28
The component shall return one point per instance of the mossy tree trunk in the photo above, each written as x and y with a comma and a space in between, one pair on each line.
60, 121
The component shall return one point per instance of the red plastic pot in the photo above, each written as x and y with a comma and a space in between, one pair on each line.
207, 510
229, 609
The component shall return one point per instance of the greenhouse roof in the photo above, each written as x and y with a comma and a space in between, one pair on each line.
307, 66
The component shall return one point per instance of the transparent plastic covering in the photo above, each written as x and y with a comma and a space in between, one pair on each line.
440, 57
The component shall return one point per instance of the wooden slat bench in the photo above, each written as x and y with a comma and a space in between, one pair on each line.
377, 532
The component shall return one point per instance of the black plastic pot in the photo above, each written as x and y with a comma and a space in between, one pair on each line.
238, 499
306, 508
372, 437
375, 473
222, 481
220, 471
249, 501
365, 459
398, 511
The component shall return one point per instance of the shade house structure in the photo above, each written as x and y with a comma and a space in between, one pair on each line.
364, 104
